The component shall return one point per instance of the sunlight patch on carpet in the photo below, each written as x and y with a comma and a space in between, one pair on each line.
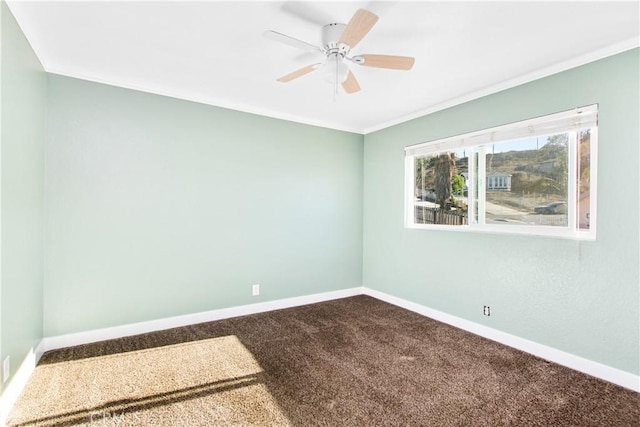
194, 382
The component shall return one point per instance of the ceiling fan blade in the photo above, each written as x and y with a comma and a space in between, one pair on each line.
351, 85
291, 41
298, 73
361, 22
387, 61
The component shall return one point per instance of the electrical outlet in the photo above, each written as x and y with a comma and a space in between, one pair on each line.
6, 369
487, 310
255, 290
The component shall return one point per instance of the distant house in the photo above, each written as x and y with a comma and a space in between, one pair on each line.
495, 181
499, 181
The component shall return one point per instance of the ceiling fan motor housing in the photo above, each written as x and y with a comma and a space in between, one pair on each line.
330, 35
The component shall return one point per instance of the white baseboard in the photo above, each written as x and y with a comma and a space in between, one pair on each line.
18, 382
595, 369
69, 340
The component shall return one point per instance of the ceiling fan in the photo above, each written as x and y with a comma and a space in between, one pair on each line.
338, 40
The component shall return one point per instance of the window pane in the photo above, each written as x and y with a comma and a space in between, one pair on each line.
512, 178
526, 181
477, 194
584, 178
441, 188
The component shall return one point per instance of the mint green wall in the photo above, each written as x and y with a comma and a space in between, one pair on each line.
23, 89
579, 297
159, 207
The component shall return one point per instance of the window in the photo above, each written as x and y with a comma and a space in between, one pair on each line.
532, 177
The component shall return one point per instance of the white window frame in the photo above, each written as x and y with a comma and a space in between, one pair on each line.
571, 122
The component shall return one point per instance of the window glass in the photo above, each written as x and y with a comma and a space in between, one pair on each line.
441, 188
584, 179
527, 181
532, 177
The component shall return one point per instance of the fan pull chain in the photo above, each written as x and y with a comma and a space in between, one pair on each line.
335, 83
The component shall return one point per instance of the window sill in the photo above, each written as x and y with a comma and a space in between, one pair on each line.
552, 232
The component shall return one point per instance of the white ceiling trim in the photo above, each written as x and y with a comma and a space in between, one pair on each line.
221, 103
541, 73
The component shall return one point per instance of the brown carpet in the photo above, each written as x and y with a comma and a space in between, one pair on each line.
350, 362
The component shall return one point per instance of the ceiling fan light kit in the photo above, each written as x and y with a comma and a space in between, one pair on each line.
337, 42
334, 69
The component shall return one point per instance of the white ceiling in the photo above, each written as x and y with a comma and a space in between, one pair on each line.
214, 52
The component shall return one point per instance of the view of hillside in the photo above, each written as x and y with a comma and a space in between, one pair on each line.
519, 178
